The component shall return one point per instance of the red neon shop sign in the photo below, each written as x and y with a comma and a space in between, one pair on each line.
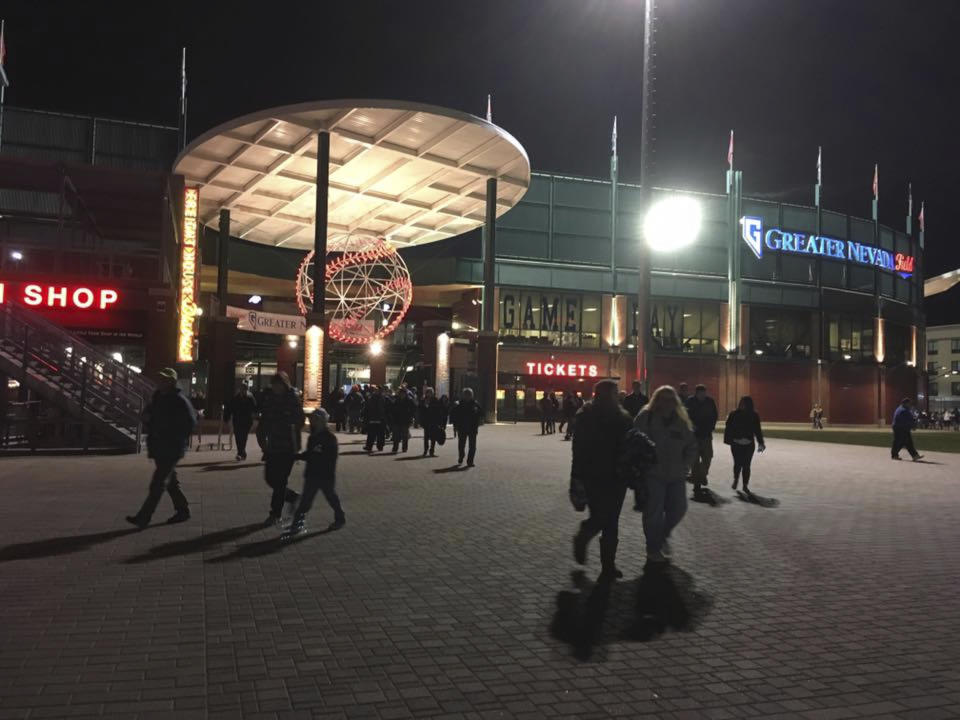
557, 369
62, 296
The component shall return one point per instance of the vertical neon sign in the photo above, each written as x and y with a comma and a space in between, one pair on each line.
188, 275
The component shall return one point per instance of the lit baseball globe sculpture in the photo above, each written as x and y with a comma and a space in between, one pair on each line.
368, 289
672, 223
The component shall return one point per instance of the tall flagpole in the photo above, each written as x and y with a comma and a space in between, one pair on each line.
818, 195
613, 197
183, 99
3, 79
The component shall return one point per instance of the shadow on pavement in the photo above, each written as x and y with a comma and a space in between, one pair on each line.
760, 500
194, 545
234, 466
356, 452
709, 497
927, 462
205, 464
268, 546
596, 614
413, 457
60, 545
452, 468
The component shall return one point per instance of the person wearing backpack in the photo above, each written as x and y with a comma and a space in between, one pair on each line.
665, 421
599, 439
742, 427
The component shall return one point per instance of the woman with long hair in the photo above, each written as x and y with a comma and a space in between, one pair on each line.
743, 425
665, 421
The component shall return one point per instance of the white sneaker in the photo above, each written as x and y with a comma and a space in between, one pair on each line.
666, 549
657, 557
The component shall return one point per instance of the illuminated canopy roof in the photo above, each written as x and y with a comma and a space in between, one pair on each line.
940, 283
409, 172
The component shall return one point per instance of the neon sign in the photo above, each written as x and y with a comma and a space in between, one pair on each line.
779, 240
554, 369
188, 276
61, 296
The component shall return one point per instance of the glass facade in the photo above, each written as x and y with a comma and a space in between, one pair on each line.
780, 333
687, 327
550, 318
850, 337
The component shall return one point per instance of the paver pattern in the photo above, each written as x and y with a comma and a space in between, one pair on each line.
452, 594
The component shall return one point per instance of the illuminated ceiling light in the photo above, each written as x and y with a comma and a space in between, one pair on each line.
455, 325
376, 347
672, 223
254, 299
16, 255
198, 311
594, 310
118, 357
846, 356
135, 369
409, 368
386, 307
292, 344
758, 352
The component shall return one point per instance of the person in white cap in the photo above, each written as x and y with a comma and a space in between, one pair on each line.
320, 474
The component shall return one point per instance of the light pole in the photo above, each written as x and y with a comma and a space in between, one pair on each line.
643, 260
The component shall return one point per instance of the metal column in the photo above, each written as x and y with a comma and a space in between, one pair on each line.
223, 261
489, 257
643, 256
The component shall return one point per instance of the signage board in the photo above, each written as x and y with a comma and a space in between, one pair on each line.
54, 295
777, 240
188, 275
562, 369
264, 322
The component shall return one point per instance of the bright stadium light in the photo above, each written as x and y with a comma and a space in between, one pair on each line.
672, 223
376, 347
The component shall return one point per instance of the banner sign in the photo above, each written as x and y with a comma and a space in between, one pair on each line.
778, 240
264, 322
188, 276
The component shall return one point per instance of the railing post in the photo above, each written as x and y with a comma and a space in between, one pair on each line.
83, 386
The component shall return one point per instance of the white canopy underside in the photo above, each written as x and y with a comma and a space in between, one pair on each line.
411, 173
940, 283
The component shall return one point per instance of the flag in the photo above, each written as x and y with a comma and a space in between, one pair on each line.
4, 81
909, 199
489, 110
920, 218
820, 165
183, 83
613, 137
876, 180
730, 151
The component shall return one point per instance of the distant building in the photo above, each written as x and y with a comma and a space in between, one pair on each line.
943, 366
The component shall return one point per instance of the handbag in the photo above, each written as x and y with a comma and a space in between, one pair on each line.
439, 435
578, 494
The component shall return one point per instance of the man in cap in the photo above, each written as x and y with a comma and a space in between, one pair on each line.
170, 420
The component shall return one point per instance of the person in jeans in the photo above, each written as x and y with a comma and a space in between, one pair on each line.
433, 417
903, 424
742, 428
375, 412
403, 409
281, 421
466, 417
599, 437
320, 474
702, 411
665, 421
240, 410
170, 420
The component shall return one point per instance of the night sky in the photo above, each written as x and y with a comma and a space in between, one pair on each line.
869, 80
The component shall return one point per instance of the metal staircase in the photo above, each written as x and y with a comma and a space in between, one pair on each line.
108, 398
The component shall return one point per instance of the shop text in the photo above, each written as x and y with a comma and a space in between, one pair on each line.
61, 296
555, 369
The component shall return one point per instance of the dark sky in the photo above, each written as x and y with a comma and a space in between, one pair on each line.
870, 80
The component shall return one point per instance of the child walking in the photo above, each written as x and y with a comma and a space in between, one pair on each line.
320, 473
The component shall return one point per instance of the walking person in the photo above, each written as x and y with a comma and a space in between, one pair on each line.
433, 418
402, 412
569, 413
816, 415
903, 424
281, 422
354, 406
320, 474
665, 421
702, 411
744, 436
240, 410
466, 417
170, 420
635, 401
599, 441
545, 408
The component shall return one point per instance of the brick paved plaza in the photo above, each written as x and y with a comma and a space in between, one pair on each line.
453, 594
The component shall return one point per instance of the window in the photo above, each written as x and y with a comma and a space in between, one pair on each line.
933, 389
955, 366
550, 318
850, 337
955, 389
931, 347
688, 327
955, 345
932, 367
775, 332
897, 339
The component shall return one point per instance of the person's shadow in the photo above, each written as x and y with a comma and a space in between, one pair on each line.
754, 499
452, 469
596, 614
198, 544
268, 546
709, 497
60, 545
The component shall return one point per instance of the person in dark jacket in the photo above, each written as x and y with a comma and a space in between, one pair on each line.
703, 414
336, 409
635, 401
402, 412
433, 418
354, 404
240, 410
742, 428
545, 408
281, 422
170, 420
569, 412
903, 424
599, 439
320, 475
375, 418
466, 417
